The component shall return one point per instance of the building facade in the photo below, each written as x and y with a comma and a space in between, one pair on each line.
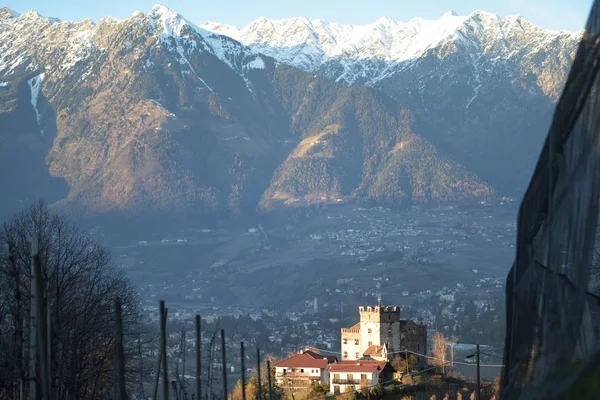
413, 336
382, 334
350, 376
300, 370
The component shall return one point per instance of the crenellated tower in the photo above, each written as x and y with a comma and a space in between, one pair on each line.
379, 334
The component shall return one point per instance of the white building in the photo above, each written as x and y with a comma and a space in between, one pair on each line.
300, 370
349, 376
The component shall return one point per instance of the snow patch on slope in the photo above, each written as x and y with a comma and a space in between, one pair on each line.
82, 46
35, 84
257, 63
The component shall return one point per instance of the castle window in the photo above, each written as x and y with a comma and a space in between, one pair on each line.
370, 330
345, 354
356, 342
356, 355
284, 371
370, 344
345, 341
301, 369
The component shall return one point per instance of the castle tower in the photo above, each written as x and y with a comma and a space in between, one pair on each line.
378, 326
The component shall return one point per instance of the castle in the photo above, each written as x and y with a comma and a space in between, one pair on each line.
382, 335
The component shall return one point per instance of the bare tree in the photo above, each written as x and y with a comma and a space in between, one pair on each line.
438, 351
81, 285
451, 342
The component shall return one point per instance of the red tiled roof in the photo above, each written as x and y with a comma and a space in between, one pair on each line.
330, 359
303, 361
358, 366
373, 350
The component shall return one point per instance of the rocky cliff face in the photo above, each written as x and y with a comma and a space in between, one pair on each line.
153, 113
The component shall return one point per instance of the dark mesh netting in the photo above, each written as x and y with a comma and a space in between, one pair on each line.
553, 287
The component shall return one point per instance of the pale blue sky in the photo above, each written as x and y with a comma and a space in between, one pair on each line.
554, 14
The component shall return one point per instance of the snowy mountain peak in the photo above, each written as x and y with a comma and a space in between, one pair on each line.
7, 13
34, 15
385, 21
222, 29
483, 14
161, 11
357, 51
301, 41
168, 21
449, 13
489, 20
171, 23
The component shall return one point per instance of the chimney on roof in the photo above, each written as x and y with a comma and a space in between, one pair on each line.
357, 363
301, 351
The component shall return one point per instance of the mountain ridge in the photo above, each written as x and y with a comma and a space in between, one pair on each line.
309, 44
486, 84
154, 113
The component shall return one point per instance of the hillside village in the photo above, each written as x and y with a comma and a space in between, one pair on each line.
342, 351
367, 349
381, 351
280, 333
445, 285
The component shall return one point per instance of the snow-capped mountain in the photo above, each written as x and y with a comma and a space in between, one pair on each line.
486, 84
313, 45
92, 103
30, 39
153, 113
